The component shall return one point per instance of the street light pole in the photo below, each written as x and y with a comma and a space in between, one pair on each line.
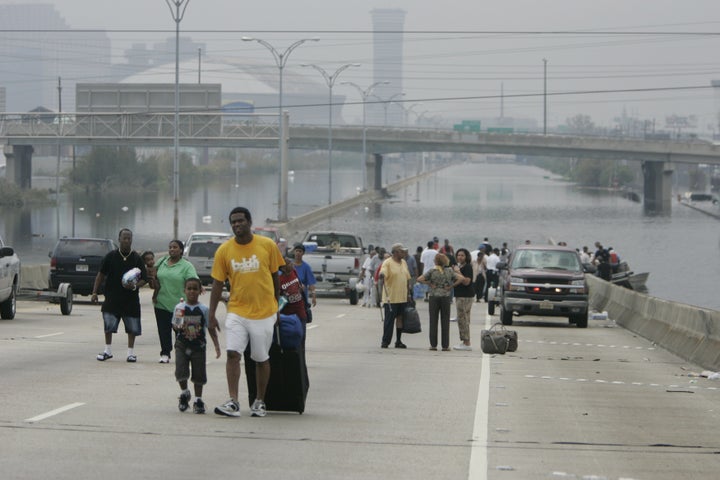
177, 14
386, 104
330, 82
545, 96
408, 111
365, 94
280, 61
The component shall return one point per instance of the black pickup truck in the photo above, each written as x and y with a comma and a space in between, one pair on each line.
544, 280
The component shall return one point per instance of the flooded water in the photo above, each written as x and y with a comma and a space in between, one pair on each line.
464, 203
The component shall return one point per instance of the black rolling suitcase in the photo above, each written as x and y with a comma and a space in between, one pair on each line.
289, 383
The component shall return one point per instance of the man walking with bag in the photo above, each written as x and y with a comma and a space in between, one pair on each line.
395, 281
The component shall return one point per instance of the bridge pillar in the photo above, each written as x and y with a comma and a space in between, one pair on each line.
19, 165
376, 164
657, 187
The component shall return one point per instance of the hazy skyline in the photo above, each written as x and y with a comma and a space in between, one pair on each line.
454, 65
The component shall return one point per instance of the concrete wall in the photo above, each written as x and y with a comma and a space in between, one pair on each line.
692, 333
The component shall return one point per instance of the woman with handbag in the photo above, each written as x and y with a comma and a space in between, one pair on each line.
440, 279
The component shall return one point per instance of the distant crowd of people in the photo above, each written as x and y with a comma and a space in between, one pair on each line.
438, 274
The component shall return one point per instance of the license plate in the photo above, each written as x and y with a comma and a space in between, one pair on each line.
329, 276
81, 268
208, 264
546, 305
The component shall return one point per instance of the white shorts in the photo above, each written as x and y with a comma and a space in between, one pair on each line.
239, 331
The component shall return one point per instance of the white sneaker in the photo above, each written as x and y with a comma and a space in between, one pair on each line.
462, 346
258, 408
164, 359
229, 409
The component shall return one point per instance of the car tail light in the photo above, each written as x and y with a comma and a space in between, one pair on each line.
53, 263
357, 263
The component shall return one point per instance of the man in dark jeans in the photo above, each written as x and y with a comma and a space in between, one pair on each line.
395, 285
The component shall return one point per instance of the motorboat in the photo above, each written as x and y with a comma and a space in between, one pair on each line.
625, 277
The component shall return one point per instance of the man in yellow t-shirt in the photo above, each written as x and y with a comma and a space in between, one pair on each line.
395, 279
250, 263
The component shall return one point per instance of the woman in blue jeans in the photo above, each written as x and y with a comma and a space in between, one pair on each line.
440, 279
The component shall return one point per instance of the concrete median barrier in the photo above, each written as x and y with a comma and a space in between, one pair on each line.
690, 332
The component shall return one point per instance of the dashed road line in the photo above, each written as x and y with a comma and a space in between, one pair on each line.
620, 382
51, 413
579, 344
50, 335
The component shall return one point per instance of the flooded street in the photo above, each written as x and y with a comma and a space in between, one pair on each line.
505, 202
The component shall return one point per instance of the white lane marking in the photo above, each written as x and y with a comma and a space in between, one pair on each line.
620, 382
50, 335
479, 448
53, 412
341, 315
543, 342
310, 327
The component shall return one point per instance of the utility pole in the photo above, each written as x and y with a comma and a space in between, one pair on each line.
545, 96
59, 150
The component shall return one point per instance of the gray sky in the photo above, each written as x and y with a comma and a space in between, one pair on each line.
452, 56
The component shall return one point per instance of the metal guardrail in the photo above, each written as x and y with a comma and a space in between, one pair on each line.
125, 126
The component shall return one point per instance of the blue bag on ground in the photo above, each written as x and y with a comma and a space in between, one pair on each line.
419, 290
291, 331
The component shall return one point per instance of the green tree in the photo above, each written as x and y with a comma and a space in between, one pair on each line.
106, 167
580, 125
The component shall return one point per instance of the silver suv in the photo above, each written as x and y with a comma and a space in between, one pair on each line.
544, 280
201, 253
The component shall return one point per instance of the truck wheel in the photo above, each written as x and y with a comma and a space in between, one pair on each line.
353, 297
66, 302
491, 308
506, 317
581, 320
7, 308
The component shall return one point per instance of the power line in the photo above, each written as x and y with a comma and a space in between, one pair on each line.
373, 32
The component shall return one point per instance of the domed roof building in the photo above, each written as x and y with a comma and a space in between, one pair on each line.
253, 86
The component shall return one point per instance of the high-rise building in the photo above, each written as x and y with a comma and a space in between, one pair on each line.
716, 121
388, 26
34, 60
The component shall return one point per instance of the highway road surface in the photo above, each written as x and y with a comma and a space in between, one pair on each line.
595, 403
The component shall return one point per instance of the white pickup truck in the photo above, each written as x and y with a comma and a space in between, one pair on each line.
9, 281
336, 259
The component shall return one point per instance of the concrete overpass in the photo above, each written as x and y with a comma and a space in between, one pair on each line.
19, 132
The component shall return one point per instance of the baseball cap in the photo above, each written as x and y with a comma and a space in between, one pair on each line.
299, 246
398, 246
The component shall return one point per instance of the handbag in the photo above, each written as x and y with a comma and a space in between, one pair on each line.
289, 331
411, 320
498, 340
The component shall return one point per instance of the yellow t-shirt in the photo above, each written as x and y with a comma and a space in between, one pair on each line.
395, 284
249, 270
